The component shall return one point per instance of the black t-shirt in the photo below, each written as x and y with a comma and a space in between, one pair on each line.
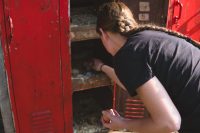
174, 61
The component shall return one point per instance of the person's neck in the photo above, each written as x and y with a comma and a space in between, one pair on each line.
118, 41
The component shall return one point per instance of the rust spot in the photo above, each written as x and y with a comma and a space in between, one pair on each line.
52, 85
45, 5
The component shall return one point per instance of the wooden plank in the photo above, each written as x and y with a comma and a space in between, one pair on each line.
85, 82
80, 33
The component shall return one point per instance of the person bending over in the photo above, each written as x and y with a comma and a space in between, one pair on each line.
159, 65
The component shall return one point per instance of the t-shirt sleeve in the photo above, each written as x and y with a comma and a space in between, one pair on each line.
132, 69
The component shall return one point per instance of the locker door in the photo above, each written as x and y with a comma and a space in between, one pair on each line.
184, 16
37, 44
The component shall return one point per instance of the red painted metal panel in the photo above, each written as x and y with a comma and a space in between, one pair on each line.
66, 64
184, 16
4, 41
39, 65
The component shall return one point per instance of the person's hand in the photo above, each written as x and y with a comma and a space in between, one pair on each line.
97, 64
112, 120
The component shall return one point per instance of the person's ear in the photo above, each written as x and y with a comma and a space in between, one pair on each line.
104, 34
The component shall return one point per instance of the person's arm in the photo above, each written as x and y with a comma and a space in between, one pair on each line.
164, 117
109, 71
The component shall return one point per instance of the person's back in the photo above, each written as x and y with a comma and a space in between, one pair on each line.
174, 61
159, 65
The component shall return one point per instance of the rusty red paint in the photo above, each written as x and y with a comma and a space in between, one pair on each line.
38, 64
134, 108
188, 23
4, 13
37, 59
134, 113
134, 104
66, 65
133, 117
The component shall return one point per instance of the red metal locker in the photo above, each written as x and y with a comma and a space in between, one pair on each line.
35, 39
184, 16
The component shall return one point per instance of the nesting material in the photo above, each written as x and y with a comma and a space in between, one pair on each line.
88, 80
83, 23
82, 16
87, 114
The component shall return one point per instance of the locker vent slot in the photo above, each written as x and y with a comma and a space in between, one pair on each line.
134, 108
42, 122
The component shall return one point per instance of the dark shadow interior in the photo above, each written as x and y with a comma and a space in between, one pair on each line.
1, 124
87, 107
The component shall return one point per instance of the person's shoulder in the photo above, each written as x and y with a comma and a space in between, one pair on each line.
145, 35
150, 33
154, 36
